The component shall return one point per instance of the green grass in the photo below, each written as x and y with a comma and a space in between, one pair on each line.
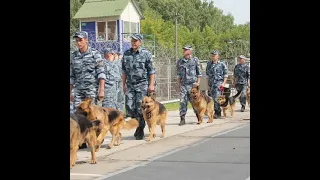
174, 106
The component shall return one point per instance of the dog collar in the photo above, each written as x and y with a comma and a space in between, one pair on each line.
226, 103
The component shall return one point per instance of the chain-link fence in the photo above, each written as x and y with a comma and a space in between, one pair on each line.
165, 64
99, 42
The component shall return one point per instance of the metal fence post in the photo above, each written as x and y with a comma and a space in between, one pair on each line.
169, 80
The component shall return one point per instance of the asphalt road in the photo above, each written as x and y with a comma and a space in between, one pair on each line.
222, 157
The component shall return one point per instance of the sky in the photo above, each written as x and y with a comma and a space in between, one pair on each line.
240, 9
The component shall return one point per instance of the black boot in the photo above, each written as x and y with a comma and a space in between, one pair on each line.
243, 108
217, 115
140, 134
182, 121
83, 146
137, 132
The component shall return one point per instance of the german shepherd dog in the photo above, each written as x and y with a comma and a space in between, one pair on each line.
202, 104
112, 120
154, 113
81, 130
228, 103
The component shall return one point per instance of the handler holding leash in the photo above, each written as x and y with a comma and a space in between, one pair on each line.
138, 76
242, 80
217, 75
189, 75
86, 71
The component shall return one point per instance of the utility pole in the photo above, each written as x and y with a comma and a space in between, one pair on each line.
176, 34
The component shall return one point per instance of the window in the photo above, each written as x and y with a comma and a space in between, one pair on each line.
126, 27
112, 30
134, 28
130, 28
101, 34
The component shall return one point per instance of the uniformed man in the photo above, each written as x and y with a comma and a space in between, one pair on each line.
138, 76
242, 80
189, 75
86, 71
120, 94
112, 74
217, 75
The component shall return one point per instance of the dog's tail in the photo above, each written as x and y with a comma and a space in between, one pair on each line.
232, 99
131, 124
237, 95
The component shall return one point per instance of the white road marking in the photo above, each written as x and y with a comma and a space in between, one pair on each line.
166, 154
78, 174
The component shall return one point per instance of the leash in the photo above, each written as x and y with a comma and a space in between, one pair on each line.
99, 103
221, 89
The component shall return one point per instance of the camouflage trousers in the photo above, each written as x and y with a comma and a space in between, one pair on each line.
243, 97
79, 95
215, 93
71, 108
134, 95
110, 96
184, 96
120, 97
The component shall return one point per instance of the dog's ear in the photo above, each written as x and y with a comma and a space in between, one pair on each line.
89, 100
198, 87
153, 97
90, 103
152, 94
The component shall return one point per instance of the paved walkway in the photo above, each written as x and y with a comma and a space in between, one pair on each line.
172, 129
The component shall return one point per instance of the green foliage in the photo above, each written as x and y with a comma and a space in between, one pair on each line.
200, 24
74, 7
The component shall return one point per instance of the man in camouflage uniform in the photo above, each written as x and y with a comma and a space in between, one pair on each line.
242, 80
112, 75
120, 94
189, 75
86, 71
138, 76
217, 75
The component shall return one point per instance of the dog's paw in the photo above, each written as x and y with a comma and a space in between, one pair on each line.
148, 139
109, 146
117, 144
96, 148
154, 135
93, 161
209, 121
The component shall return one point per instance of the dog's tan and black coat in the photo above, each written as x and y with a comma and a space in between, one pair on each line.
202, 104
111, 120
228, 103
81, 130
154, 113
